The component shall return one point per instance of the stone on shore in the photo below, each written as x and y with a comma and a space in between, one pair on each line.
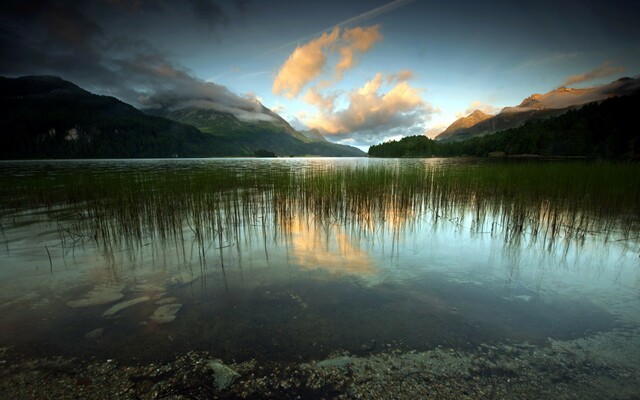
223, 376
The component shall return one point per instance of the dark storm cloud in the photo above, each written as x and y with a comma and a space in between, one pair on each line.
209, 12
62, 38
242, 6
61, 22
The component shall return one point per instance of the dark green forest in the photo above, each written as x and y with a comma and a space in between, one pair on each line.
606, 130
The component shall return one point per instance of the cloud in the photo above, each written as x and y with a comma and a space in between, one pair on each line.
371, 115
478, 105
209, 12
435, 130
383, 9
206, 12
297, 123
604, 70
403, 75
304, 65
61, 38
192, 92
128, 5
309, 61
323, 102
356, 40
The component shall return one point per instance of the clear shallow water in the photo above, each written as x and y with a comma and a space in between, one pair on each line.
303, 287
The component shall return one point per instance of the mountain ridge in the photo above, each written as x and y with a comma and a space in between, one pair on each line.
49, 117
464, 123
276, 136
597, 130
540, 106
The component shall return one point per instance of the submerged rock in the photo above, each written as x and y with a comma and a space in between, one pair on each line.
223, 376
98, 296
166, 301
125, 304
94, 334
148, 287
183, 278
165, 313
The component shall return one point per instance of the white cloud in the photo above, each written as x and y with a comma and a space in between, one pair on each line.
372, 115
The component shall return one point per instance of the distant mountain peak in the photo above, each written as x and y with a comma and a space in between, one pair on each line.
464, 123
533, 101
539, 106
476, 113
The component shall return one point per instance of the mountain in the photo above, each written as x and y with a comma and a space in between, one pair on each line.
602, 129
264, 131
314, 135
48, 117
464, 123
540, 106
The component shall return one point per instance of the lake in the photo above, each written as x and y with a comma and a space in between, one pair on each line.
321, 278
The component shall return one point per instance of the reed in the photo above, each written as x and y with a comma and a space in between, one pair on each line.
540, 202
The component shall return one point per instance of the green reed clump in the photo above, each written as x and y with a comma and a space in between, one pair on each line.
126, 207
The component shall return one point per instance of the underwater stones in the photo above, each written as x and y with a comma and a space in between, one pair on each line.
159, 295
166, 301
165, 313
183, 278
223, 376
148, 287
125, 304
99, 295
94, 334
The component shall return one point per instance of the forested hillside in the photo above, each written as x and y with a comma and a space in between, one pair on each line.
598, 130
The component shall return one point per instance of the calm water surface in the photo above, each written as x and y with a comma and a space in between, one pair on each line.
301, 288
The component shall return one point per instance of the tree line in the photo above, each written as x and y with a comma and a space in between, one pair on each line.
606, 129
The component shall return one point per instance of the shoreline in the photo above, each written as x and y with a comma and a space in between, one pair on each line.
592, 367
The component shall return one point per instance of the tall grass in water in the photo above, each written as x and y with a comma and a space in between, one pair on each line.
542, 202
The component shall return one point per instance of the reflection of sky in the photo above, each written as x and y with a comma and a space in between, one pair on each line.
328, 248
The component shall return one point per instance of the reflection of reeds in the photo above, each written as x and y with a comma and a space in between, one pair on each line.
538, 201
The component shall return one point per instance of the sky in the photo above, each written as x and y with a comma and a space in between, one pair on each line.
361, 72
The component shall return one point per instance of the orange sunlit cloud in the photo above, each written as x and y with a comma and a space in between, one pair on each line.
304, 65
307, 62
368, 108
323, 102
356, 40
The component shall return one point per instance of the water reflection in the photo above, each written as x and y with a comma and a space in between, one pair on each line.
327, 247
418, 253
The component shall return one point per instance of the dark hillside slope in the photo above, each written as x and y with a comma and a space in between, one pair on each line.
48, 117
